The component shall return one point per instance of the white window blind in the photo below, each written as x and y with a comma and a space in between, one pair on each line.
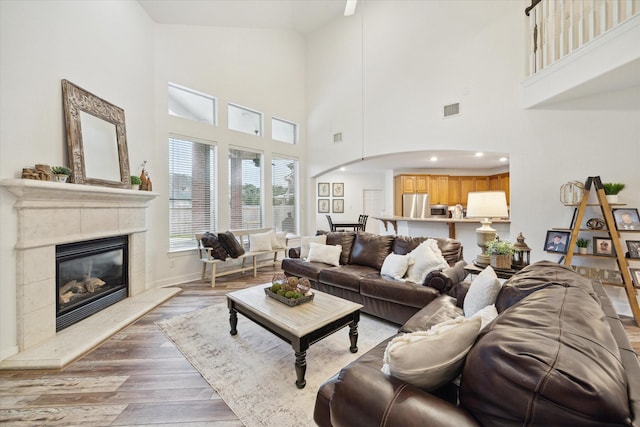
192, 191
245, 190
191, 104
284, 131
284, 176
244, 120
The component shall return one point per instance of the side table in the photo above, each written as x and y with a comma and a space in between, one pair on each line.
502, 274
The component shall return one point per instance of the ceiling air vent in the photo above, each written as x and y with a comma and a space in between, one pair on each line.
337, 137
451, 110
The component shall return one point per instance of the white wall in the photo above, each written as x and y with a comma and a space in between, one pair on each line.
417, 58
105, 47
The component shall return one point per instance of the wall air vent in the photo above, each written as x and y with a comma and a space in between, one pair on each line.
337, 137
451, 110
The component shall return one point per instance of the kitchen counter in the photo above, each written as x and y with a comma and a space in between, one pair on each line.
409, 223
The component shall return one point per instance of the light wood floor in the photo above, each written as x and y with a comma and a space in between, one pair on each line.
136, 377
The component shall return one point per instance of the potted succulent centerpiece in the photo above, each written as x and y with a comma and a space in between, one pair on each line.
500, 253
135, 182
61, 173
582, 244
611, 190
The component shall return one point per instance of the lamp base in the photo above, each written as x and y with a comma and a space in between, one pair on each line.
482, 260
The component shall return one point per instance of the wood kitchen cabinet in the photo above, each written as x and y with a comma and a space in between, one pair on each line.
438, 189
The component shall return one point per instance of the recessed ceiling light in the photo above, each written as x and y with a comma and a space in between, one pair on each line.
350, 7
433, 158
503, 159
342, 169
479, 154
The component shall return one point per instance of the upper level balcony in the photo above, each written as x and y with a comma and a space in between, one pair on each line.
580, 50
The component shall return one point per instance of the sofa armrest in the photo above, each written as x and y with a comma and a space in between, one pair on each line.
365, 397
294, 252
445, 279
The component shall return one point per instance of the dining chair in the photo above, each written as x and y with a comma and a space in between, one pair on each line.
362, 219
331, 226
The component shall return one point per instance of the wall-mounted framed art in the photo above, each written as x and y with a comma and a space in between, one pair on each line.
323, 189
338, 189
323, 205
338, 205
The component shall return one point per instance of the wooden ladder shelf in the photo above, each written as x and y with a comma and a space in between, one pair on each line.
613, 233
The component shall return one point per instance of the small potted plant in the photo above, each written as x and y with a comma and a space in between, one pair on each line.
500, 253
611, 190
61, 173
135, 182
582, 244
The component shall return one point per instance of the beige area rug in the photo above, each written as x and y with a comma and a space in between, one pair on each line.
254, 371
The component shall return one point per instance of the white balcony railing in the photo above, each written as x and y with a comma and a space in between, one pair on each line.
558, 27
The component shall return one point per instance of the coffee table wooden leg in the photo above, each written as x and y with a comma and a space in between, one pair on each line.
353, 336
301, 368
233, 320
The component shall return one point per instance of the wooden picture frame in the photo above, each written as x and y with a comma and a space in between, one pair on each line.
635, 276
338, 206
603, 246
337, 189
96, 139
323, 189
634, 248
557, 241
627, 219
323, 205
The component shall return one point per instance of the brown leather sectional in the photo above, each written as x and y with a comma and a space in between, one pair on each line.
556, 355
358, 278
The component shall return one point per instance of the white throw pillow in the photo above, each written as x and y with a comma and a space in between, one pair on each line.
327, 254
425, 259
482, 292
431, 359
395, 266
486, 315
260, 241
304, 243
279, 240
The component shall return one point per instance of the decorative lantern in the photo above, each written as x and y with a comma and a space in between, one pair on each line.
521, 253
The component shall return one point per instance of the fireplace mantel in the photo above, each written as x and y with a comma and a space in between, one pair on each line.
53, 213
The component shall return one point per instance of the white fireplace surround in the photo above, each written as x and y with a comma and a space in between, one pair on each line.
52, 213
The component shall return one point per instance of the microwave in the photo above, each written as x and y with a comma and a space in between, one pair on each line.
439, 211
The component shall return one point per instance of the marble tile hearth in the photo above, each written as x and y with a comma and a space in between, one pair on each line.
52, 213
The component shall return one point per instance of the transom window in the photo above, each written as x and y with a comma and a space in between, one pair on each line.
191, 104
245, 120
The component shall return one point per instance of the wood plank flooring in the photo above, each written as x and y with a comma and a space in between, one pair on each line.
137, 377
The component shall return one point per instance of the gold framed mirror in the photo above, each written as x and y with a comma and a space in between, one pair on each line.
96, 138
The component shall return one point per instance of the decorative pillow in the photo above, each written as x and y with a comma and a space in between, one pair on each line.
327, 254
433, 358
486, 315
426, 259
304, 243
395, 266
230, 244
278, 239
482, 292
370, 249
209, 240
261, 241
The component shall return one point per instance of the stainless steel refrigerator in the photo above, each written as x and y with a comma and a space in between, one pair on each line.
415, 205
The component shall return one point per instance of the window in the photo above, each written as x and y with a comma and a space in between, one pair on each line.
285, 203
245, 120
282, 130
190, 104
245, 190
192, 192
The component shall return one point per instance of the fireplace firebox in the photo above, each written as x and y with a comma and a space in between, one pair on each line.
90, 276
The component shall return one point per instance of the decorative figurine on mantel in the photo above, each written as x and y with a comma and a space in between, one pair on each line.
39, 173
146, 180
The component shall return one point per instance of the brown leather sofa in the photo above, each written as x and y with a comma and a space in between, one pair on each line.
556, 355
358, 278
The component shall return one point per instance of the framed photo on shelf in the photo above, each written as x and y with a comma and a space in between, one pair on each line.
635, 276
338, 205
338, 189
603, 246
557, 241
323, 189
323, 205
634, 248
626, 219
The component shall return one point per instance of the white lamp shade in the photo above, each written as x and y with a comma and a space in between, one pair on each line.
487, 204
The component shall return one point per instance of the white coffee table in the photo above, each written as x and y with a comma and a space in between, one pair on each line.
301, 325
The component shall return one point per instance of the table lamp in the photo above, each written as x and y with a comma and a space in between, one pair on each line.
486, 205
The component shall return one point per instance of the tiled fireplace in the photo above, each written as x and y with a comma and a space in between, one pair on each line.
52, 214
